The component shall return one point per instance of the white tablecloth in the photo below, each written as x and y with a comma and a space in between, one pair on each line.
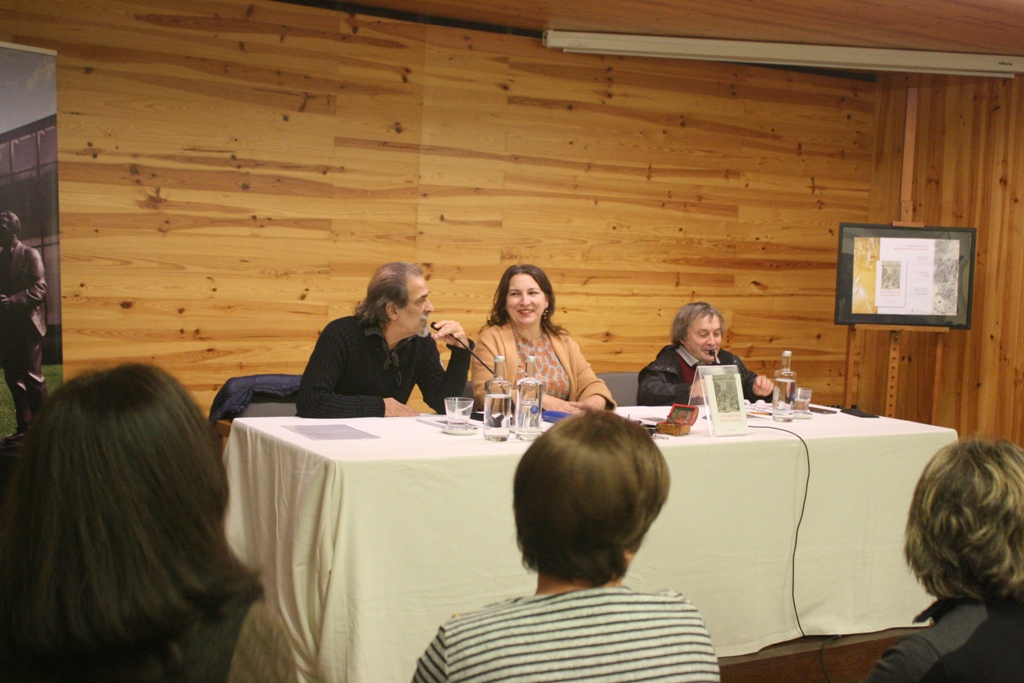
367, 545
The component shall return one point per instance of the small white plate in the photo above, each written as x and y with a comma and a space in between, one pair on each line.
459, 432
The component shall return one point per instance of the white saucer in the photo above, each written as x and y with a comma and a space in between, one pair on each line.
459, 432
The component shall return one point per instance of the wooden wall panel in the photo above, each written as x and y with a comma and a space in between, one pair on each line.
989, 26
232, 172
969, 173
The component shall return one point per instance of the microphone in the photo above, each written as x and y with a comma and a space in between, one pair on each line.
436, 326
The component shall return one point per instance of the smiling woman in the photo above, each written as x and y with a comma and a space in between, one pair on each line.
520, 324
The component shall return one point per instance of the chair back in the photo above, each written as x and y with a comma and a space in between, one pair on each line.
256, 396
262, 405
623, 386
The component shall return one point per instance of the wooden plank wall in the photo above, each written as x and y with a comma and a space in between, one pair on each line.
232, 172
969, 172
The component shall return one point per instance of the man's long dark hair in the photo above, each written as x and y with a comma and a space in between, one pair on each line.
389, 285
112, 542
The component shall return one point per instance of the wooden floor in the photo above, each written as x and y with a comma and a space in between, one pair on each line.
837, 659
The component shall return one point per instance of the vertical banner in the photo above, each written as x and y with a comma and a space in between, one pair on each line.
30, 303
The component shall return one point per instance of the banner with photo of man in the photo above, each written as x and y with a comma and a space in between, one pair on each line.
30, 304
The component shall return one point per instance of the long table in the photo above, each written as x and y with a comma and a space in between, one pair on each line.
366, 545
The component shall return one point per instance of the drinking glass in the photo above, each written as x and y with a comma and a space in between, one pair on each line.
458, 410
802, 404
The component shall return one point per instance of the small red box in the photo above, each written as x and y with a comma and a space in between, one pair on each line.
682, 413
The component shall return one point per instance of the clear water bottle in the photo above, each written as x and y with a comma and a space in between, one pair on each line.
529, 392
497, 403
785, 390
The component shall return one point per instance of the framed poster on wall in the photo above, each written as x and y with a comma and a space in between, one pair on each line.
888, 275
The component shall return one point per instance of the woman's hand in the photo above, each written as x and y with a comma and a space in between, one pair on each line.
592, 403
552, 403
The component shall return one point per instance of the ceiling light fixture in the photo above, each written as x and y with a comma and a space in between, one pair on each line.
788, 54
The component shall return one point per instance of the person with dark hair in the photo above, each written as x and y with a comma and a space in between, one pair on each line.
584, 496
696, 340
965, 544
366, 365
113, 555
521, 324
22, 324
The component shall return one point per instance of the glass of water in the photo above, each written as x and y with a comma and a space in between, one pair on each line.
458, 410
802, 404
497, 414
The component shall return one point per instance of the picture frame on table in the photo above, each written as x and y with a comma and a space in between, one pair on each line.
723, 397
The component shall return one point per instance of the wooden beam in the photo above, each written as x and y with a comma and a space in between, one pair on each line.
940, 345
892, 373
851, 346
909, 142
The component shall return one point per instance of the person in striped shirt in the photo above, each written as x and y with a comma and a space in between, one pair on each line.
584, 496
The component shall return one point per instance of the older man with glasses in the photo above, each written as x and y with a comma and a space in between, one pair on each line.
366, 365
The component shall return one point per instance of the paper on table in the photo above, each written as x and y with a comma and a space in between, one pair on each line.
331, 432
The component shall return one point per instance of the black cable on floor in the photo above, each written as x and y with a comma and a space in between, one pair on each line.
821, 656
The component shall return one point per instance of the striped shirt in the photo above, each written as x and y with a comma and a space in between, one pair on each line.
598, 635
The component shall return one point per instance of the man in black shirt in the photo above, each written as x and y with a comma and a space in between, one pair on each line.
366, 365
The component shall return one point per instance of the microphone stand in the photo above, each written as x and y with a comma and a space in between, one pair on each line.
466, 346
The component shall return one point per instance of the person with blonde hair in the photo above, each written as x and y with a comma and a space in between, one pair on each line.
965, 544
584, 495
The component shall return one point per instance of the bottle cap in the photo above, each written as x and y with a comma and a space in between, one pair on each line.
499, 358
787, 353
